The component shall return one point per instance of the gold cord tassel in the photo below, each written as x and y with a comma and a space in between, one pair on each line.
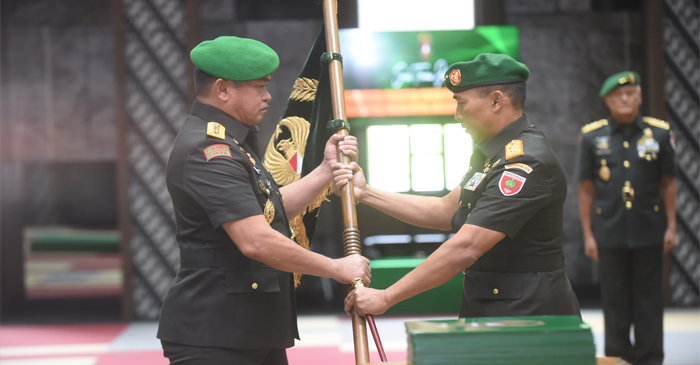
298, 228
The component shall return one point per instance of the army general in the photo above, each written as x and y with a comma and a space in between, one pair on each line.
232, 301
627, 201
506, 213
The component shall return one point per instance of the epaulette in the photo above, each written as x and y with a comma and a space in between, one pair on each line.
658, 123
594, 125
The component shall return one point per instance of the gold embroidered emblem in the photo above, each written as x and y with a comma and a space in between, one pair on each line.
284, 158
304, 89
269, 211
217, 130
514, 149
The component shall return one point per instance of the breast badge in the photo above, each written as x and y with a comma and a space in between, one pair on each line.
647, 146
604, 171
510, 183
269, 211
474, 182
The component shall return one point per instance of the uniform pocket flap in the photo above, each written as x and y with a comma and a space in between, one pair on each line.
252, 281
499, 286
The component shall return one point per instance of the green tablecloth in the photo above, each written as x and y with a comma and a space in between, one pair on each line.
445, 298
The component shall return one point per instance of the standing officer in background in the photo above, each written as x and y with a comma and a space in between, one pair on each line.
627, 201
506, 214
232, 301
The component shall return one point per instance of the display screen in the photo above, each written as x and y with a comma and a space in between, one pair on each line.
394, 88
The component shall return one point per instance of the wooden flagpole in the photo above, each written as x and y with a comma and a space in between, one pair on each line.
351, 234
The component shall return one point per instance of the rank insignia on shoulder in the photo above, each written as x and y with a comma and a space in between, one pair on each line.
594, 125
510, 183
514, 149
217, 130
520, 166
217, 150
658, 123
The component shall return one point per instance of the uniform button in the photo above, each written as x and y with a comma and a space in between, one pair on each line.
470, 169
255, 285
627, 164
468, 215
495, 291
628, 205
598, 210
469, 205
656, 208
625, 144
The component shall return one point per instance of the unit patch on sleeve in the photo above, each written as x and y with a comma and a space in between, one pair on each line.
510, 183
217, 150
514, 149
520, 166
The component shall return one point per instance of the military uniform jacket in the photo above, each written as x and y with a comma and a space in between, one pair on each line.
220, 298
626, 163
516, 186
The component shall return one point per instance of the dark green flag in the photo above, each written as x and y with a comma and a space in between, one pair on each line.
296, 147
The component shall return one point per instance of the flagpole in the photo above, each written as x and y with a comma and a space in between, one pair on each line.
351, 234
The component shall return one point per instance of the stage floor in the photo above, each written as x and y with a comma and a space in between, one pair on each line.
325, 340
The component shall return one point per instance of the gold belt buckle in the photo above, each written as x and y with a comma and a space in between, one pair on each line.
628, 194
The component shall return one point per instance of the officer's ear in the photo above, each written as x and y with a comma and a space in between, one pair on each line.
221, 89
497, 99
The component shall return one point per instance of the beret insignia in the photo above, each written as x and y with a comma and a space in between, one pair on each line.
455, 77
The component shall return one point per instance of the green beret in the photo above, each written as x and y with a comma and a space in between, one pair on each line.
619, 79
235, 59
485, 70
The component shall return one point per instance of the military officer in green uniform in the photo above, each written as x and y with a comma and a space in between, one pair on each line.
506, 213
232, 301
627, 201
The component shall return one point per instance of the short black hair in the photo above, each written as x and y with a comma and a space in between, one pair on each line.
516, 92
202, 81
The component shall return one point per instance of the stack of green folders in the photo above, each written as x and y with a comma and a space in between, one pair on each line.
536, 340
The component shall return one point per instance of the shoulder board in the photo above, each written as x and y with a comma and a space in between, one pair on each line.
590, 127
658, 123
217, 130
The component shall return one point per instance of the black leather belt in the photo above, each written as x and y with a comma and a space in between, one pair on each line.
212, 258
519, 263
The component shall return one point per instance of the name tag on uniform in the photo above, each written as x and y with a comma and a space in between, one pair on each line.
474, 182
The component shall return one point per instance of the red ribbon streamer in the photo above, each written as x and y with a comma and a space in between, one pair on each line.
375, 335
